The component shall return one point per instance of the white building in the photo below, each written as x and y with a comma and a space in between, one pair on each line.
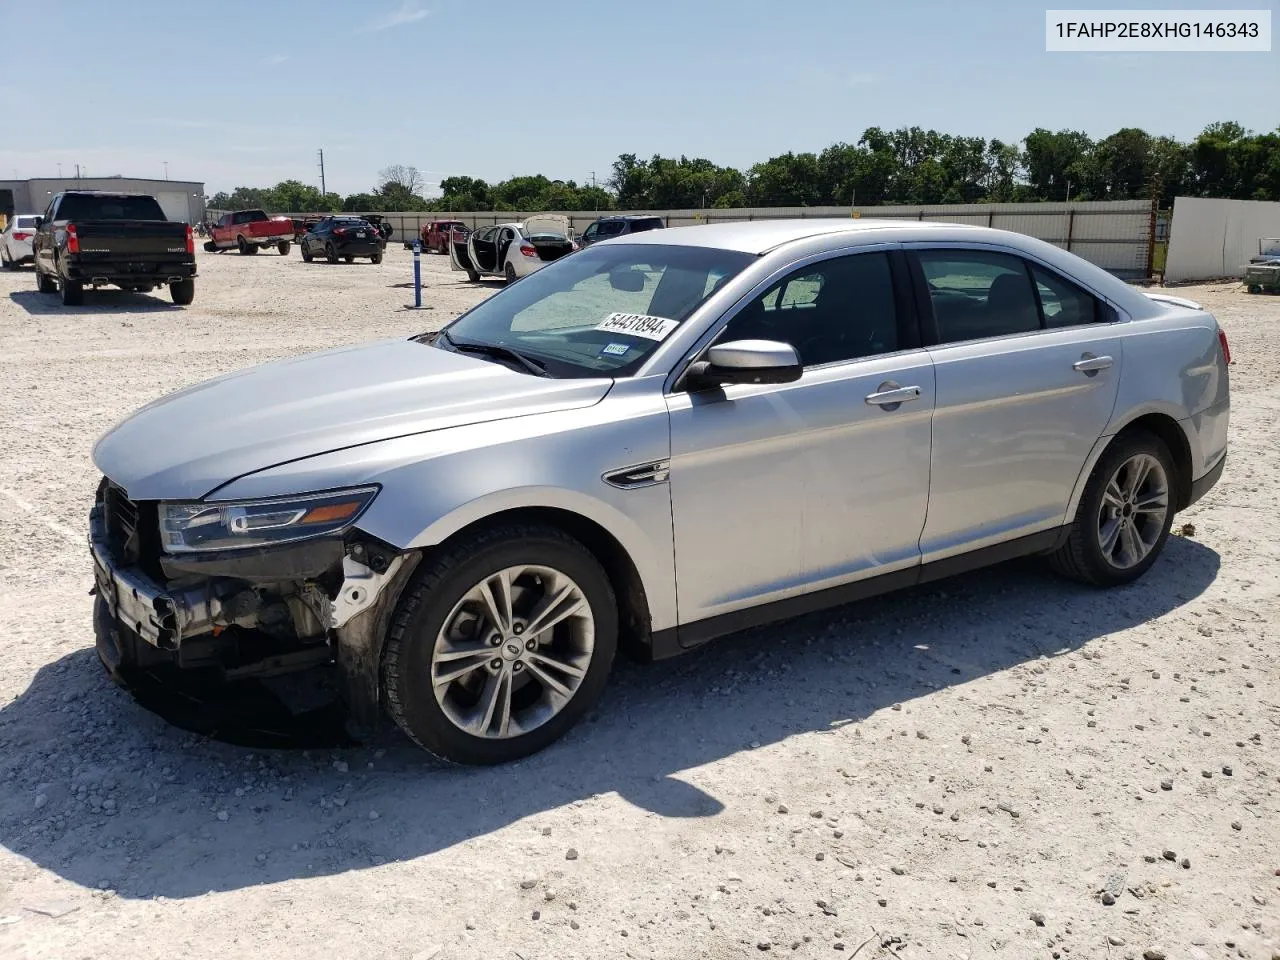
180, 199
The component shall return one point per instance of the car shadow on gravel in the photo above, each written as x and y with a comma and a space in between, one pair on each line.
95, 301
102, 792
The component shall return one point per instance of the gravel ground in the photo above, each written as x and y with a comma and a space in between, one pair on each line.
999, 765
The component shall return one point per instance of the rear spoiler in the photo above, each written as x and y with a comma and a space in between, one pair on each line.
1175, 301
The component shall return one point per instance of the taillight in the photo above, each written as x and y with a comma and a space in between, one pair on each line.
191, 240
21, 236
340, 231
528, 249
73, 240
1226, 347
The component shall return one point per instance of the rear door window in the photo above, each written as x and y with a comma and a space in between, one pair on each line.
978, 294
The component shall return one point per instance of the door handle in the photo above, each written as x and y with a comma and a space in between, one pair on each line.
1089, 365
890, 396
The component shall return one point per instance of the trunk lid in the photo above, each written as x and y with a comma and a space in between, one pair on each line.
547, 223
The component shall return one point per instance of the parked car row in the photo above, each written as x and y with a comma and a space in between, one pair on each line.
129, 231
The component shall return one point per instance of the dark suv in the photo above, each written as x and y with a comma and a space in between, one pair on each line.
345, 237
607, 227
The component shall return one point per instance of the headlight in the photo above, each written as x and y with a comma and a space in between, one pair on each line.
192, 527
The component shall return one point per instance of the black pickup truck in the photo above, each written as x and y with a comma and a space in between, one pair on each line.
93, 238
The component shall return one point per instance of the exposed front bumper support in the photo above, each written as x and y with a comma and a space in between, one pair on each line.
162, 618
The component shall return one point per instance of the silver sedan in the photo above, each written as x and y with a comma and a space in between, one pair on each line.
656, 441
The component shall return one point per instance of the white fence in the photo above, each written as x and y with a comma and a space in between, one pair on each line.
1117, 235
1211, 239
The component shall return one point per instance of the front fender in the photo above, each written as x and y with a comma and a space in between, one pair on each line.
437, 483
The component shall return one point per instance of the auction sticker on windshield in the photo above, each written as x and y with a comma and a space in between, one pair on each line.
638, 325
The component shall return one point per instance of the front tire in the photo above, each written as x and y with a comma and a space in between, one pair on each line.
283, 248
306, 254
4, 259
183, 292
500, 644
1123, 520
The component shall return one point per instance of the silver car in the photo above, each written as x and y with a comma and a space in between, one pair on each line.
656, 441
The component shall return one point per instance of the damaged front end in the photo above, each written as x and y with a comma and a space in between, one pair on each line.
238, 591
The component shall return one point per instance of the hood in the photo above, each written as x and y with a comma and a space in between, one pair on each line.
185, 445
547, 223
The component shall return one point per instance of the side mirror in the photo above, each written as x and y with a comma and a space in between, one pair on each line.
628, 281
745, 361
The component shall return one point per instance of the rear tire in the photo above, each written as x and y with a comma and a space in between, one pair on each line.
72, 293
349, 259
376, 258
45, 284
436, 594
283, 248
330, 253
242, 246
1111, 543
510, 273
183, 292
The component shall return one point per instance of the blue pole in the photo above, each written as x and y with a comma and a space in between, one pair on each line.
417, 274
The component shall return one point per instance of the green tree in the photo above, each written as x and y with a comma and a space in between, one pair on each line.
1053, 161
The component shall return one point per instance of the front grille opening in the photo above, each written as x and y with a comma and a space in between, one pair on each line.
133, 529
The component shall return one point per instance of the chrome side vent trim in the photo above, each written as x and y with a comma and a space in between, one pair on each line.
643, 475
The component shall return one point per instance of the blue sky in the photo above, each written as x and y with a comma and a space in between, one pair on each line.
234, 92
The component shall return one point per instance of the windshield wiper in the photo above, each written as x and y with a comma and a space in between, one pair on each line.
497, 352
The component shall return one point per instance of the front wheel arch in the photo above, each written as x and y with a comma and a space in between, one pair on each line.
634, 620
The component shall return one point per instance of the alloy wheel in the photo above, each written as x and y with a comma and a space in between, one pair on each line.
1135, 505
513, 652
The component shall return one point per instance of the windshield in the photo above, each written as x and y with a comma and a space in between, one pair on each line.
599, 312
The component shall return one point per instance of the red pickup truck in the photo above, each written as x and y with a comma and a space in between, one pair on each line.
435, 235
247, 230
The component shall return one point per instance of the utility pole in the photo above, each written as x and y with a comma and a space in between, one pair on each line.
77, 171
323, 191
595, 196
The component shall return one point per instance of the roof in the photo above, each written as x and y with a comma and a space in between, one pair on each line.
760, 236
